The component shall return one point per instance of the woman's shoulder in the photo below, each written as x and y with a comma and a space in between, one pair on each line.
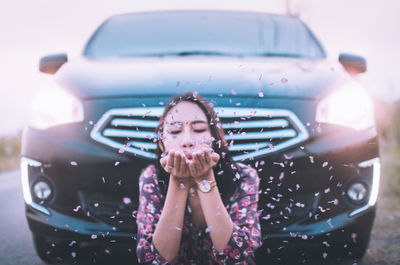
245, 171
149, 172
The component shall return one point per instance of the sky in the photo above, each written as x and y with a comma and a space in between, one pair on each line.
33, 28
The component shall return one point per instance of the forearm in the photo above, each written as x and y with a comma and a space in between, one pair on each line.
168, 232
218, 220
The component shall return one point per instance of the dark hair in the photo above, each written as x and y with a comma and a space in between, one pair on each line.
225, 171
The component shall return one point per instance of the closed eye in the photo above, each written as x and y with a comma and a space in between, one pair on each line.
174, 132
200, 130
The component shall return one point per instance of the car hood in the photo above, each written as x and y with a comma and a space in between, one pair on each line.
209, 76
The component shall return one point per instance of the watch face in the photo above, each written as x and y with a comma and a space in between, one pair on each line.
204, 186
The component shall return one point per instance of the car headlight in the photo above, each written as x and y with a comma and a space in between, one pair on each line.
53, 106
350, 106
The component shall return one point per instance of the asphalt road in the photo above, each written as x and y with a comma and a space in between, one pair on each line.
16, 246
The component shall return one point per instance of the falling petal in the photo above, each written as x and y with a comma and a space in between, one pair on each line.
116, 163
73, 163
126, 200
261, 94
209, 228
284, 80
93, 237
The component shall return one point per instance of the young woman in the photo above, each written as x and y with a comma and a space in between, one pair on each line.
195, 205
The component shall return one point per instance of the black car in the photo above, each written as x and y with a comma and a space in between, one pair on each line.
302, 121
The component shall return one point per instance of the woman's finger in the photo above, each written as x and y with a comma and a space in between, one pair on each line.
170, 164
163, 161
215, 157
184, 166
207, 157
192, 166
177, 163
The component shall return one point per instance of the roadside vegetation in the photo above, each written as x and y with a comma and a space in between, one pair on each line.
385, 241
10, 151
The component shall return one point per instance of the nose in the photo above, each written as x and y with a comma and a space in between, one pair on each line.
187, 141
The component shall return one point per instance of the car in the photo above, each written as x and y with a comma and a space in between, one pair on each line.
304, 121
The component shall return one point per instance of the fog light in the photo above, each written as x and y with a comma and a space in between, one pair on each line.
42, 190
357, 192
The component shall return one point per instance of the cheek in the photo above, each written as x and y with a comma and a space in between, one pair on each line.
205, 139
171, 142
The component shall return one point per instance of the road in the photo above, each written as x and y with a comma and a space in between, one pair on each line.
17, 247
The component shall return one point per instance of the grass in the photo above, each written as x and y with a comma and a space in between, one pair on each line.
10, 151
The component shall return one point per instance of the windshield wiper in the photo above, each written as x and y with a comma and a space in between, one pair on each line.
183, 53
274, 54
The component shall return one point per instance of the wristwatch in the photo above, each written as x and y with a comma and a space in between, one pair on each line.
206, 185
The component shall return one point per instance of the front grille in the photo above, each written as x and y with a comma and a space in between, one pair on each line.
250, 133
279, 211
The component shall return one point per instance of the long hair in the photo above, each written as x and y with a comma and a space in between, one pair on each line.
225, 171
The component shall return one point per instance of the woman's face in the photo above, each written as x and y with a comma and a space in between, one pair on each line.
186, 128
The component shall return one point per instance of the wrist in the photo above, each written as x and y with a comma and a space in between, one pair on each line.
180, 183
209, 175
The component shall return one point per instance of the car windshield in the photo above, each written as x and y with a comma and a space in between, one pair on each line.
203, 33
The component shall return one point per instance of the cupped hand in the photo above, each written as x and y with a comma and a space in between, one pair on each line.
175, 163
202, 162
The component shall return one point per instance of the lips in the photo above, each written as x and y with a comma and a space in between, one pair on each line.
188, 156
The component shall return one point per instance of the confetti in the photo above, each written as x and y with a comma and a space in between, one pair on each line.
77, 208
261, 94
93, 237
209, 228
116, 163
324, 164
73, 163
354, 236
126, 200
233, 92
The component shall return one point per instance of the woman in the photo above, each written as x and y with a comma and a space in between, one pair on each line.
195, 205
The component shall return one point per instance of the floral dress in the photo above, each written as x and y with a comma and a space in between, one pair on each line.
196, 246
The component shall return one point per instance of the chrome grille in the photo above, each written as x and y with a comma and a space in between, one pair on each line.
250, 132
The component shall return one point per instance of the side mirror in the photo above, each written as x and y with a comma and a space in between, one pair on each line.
353, 64
51, 63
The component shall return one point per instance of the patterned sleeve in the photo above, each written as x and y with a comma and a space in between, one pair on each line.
149, 211
246, 235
